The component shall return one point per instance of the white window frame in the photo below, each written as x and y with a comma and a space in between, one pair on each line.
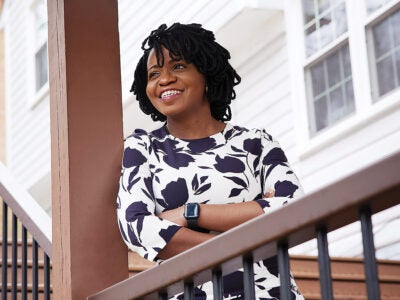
375, 17
366, 109
36, 96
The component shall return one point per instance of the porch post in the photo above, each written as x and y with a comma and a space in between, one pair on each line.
86, 132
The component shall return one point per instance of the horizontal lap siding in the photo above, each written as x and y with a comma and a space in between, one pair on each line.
28, 129
263, 97
370, 143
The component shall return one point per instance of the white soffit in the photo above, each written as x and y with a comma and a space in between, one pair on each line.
242, 31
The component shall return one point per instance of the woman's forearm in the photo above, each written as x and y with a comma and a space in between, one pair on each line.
214, 217
183, 240
222, 217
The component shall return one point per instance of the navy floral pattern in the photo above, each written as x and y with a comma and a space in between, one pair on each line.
161, 172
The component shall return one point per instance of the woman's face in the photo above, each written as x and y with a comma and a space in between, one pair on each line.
175, 89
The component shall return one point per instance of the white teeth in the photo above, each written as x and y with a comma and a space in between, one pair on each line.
170, 93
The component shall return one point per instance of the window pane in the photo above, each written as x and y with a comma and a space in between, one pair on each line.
318, 79
396, 28
326, 30
311, 39
321, 113
386, 40
340, 19
373, 5
385, 75
337, 107
333, 65
308, 11
39, 12
324, 21
323, 5
346, 61
41, 67
350, 96
381, 38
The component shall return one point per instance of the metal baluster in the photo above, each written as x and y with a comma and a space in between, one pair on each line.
371, 270
248, 278
14, 257
284, 271
4, 251
324, 264
35, 267
24, 264
217, 285
188, 291
46, 277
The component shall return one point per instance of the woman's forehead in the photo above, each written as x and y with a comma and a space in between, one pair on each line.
152, 58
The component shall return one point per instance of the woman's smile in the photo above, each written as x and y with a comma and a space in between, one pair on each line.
169, 94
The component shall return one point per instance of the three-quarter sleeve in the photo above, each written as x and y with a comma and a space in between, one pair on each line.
276, 175
142, 231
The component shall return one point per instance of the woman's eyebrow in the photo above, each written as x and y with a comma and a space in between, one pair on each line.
152, 67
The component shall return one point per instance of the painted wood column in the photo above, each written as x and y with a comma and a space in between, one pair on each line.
86, 132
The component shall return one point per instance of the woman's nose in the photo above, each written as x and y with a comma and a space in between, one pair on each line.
167, 77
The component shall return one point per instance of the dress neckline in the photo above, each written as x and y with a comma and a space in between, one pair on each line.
219, 136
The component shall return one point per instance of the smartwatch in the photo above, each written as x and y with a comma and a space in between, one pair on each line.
192, 214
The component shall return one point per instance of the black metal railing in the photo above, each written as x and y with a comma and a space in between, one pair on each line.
364, 193
26, 246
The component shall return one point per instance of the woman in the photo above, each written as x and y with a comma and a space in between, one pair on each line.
198, 174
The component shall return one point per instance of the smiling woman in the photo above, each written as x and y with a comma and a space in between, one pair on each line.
197, 175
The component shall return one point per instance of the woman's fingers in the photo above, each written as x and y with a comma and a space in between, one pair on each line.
269, 194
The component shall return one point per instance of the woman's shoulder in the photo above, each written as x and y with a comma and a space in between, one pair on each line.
251, 132
140, 135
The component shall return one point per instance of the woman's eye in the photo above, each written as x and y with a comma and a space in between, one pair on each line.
179, 66
152, 74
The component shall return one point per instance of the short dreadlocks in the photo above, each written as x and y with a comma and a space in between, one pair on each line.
196, 45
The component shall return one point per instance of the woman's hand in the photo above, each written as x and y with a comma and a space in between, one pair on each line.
174, 215
269, 194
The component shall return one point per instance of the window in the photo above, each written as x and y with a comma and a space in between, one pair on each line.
385, 53
39, 10
324, 21
345, 68
329, 82
331, 89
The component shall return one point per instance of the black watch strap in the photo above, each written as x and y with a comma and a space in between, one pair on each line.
192, 223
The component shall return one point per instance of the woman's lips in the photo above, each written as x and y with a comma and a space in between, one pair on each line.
169, 94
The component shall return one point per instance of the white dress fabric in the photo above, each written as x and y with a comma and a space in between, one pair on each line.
162, 172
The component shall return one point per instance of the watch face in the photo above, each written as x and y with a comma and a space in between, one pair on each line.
192, 210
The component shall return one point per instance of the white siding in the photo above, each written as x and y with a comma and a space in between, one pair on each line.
263, 97
28, 129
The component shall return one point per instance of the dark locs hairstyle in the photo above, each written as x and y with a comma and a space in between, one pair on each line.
196, 45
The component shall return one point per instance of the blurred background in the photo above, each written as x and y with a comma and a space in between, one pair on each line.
321, 76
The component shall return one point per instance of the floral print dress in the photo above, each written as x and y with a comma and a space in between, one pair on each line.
162, 172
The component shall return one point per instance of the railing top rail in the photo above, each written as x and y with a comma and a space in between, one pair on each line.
334, 206
28, 211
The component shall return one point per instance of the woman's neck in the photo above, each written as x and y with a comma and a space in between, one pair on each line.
194, 129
